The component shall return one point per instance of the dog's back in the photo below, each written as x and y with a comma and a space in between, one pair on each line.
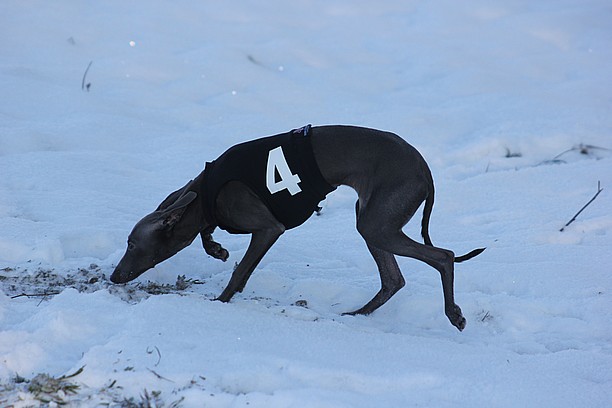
368, 158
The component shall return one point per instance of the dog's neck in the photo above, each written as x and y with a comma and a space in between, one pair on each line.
195, 219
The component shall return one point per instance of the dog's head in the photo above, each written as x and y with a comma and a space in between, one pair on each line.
159, 235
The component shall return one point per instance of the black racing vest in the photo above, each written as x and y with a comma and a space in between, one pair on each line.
281, 170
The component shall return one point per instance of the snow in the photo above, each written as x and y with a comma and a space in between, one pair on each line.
173, 84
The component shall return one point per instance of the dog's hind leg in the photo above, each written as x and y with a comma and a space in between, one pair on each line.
391, 278
380, 223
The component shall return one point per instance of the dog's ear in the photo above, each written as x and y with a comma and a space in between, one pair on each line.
171, 215
168, 201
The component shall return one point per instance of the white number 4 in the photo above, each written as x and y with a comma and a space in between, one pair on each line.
277, 164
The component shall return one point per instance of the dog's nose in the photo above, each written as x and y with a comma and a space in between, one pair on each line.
118, 276
113, 278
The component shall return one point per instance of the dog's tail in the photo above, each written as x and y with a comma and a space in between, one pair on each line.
429, 202
469, 255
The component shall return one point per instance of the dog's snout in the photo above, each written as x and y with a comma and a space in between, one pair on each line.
116, 277
121, 275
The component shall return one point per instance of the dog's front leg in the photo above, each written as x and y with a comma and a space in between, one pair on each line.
261, 241
239, 208
213, 248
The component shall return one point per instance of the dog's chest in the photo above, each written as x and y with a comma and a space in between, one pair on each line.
280, 169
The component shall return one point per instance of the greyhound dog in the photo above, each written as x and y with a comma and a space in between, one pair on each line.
238, 192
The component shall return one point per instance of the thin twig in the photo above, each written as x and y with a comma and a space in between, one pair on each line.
159, 376
599, 190
562, 153
582, 148
158, 354
77, 372
84, 76
35, 295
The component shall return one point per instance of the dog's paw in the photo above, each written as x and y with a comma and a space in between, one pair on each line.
456, 317
221, 254
216, 251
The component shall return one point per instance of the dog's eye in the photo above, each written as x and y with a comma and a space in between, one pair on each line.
131, 246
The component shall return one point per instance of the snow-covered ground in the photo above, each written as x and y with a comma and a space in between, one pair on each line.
509, 101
